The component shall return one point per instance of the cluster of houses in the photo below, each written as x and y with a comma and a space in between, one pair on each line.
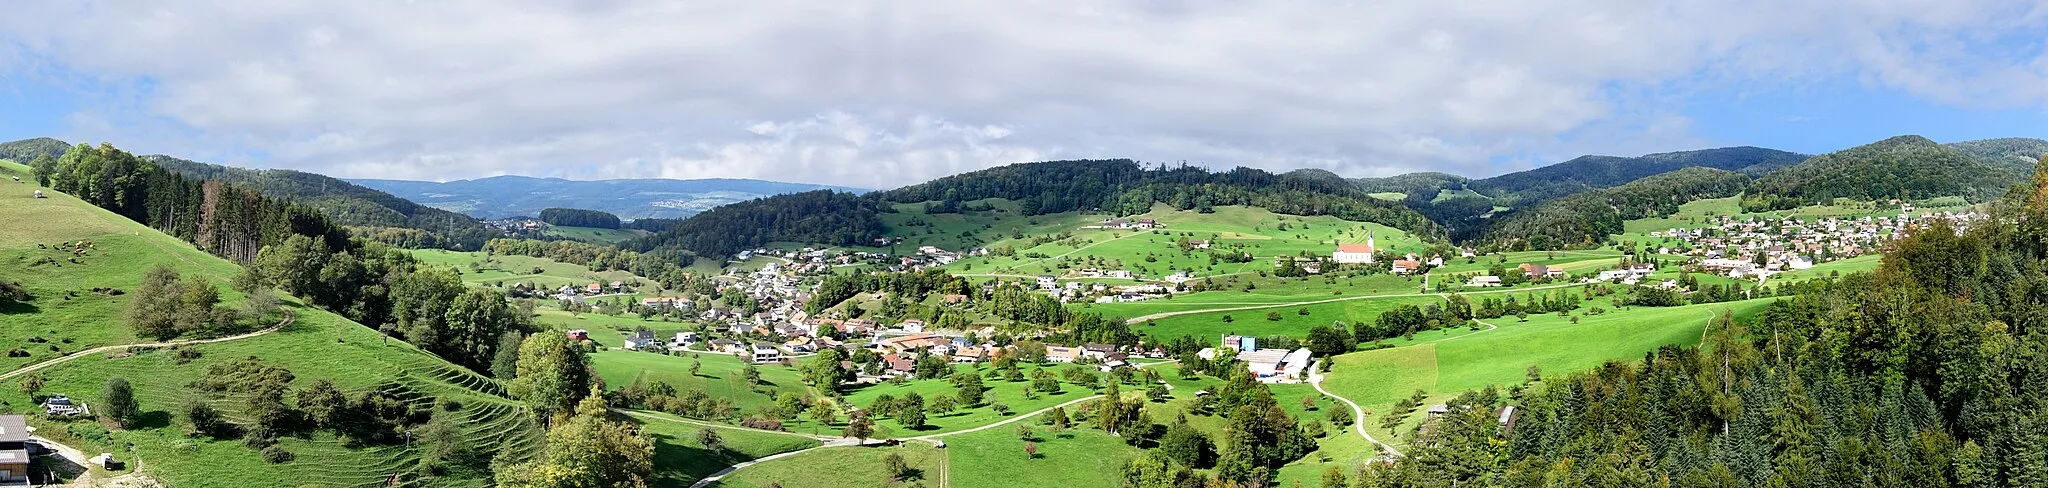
578, 293
1269, 365
1139, 224
1757, 247
1073, 291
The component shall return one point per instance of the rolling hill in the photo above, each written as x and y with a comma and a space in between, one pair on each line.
372, 212
1903, 167
317, 345
523, 196
2015, 153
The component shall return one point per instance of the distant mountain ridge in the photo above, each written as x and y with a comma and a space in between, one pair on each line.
349, 204
524, 196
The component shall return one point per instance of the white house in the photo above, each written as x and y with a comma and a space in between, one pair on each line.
763, 353
1354, 253
1487, 280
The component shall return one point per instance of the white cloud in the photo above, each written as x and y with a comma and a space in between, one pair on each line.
879, 93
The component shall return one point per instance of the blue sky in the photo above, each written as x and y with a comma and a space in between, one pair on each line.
879, 94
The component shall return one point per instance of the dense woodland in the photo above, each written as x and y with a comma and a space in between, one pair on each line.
1928, 372
819, 217
1904, 167
576, 217
1587, 219
225, 220
370, 213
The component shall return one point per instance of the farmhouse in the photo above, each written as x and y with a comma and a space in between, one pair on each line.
1405, 266
14, 449
1062, 354
1276, 365
1487, 280
1354, 253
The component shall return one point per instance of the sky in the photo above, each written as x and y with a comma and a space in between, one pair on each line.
879, 94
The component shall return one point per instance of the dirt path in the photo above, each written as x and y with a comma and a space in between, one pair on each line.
289, 316
1315, 378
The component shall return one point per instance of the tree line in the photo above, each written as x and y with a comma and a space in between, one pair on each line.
576, 217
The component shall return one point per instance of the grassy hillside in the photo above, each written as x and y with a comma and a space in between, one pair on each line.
1155, 253
595, 235
319, 345
1444, 363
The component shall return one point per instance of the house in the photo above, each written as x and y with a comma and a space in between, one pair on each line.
642, 339
1486, 280
62, 406
594, 288
1354, 253
1438, 410
1048, 282
1276, 365
1097, 351
685, 337
1405, 266
912, 325
1062, 354
14, 458
721, 345
1199, 244
1148, 224
763, 353
901, 364
579, 335
1533, 270
954, 299
969, 355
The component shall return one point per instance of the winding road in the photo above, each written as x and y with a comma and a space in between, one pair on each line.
289, 316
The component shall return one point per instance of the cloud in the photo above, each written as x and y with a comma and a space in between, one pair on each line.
879, 94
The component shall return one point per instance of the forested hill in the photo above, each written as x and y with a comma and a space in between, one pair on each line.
1119, 186
26, 151
1587, 218
1904, 167
1593, 172
2014, 153
375, 215
1125, 187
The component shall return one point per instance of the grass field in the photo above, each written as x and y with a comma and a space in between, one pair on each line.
999, 391
849, 467
1446, 363
683, 460
495, 269
1080, 457
1255, 323
595, 235
720, 376
1154, 253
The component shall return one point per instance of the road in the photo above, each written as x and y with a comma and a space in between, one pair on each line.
1315, 378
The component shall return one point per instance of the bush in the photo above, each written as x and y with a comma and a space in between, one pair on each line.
276, 455
184, 356
761, 423
91, 432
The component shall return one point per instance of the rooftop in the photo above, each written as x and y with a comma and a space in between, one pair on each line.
13, 428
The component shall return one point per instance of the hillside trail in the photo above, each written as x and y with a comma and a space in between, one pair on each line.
289, 317
77, 457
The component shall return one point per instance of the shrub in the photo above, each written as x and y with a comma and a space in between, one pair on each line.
184, 356
91, 432
276, 455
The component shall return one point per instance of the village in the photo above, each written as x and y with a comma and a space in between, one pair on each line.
1757, 247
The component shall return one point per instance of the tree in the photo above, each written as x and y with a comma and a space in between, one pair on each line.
153, 308
859, 426
203, 420
752, 374
587, 450
940, 405
324, 404
893, 465
709, 438
551, 374
441, 441
696, 365
910, 412
31, 385
1030, 450
822, 369
824, 412
971, 391
505, 365
119, 399
1187, 445
1326, 341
